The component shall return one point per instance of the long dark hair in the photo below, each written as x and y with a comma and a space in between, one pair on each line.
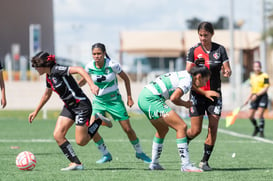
102, 47
203, 70
43, 59
206, 26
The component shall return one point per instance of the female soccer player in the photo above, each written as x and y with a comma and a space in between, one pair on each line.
3, 90
103, 72
207, 99
259, 82
171, 86
77, 107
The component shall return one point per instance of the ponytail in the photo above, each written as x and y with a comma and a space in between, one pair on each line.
102, 47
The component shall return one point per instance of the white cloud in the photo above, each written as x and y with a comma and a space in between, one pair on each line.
101, 21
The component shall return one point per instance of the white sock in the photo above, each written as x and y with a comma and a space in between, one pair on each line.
156, 151
183, 153
102, 148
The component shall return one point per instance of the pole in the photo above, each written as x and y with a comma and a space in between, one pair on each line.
231, 52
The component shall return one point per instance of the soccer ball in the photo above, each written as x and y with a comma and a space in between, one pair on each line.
26, 161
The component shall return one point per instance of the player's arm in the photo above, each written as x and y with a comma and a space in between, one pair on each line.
3, 90
82, 82
44, 99
209, 94
126, 80
84, 74
226, 69
176, 99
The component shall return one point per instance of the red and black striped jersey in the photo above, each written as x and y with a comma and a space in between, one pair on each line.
214, 60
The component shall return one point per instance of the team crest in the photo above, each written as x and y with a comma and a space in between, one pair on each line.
107, 70
54, 80
216, 55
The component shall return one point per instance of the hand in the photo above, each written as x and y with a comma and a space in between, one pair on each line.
31, 117
3, 103
130, 101
187, 104
210, 94
254, 97
226, 73
95, 89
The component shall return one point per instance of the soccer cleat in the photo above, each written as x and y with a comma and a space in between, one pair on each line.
143, 157
73, 166
155, 166
105, 121
256, 131
105, 158
190, 168
205, 166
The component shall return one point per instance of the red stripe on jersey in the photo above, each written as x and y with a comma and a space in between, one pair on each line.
200, 53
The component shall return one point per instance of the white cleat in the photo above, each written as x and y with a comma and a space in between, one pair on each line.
73, 166
155, 166
190, 168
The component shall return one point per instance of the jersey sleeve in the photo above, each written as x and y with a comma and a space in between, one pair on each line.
185, 84
190, 55
116, 67
60, 70
224, 54
266, 80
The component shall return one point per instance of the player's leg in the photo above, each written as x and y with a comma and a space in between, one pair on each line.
260, 114
196, 127
173, 120
62, 126
158, 140
210, 141
127, 128
99, 142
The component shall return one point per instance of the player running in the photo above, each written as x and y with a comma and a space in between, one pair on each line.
171, 86
103, 72
77, 107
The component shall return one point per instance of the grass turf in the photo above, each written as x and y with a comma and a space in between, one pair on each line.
253, 160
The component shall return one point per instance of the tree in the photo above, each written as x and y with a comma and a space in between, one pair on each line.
221, 23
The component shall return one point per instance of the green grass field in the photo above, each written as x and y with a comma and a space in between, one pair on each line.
253, 161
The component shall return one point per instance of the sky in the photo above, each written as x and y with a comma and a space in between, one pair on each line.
80, 23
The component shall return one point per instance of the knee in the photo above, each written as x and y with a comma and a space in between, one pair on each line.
81, 142
58, 137
128, 130
195, 132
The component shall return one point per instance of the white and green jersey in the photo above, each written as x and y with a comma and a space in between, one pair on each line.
105, 78
166, 84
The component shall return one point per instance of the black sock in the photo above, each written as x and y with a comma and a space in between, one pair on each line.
68, 151
261, 125
207, 152
93, 128
254, 122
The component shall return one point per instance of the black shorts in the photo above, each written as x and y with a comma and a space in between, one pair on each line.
80, 113
261, 101
202, 105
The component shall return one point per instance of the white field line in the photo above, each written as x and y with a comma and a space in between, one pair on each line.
224, 131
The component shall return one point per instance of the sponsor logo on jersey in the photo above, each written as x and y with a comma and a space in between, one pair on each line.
200, 56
